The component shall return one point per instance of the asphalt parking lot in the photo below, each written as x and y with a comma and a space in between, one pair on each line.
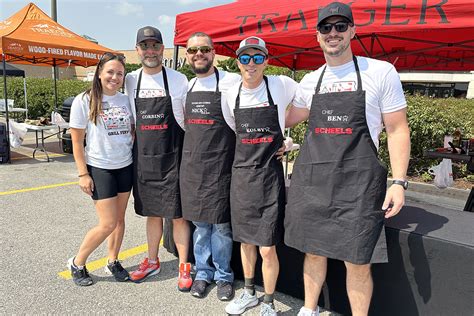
43, 220
44, 217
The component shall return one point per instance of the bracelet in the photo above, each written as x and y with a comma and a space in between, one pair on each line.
82, 175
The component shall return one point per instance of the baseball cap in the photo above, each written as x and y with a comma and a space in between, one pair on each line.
252, 42
335, 9
149, 33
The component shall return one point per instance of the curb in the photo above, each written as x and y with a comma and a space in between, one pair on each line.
451, 198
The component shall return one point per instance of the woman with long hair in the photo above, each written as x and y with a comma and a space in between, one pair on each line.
102, 117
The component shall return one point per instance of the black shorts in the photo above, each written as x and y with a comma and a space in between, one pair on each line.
109, 182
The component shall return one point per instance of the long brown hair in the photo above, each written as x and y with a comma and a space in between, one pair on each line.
95, 93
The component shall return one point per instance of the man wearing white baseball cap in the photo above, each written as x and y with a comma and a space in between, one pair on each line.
255, 110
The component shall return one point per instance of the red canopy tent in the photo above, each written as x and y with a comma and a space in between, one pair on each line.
410, 34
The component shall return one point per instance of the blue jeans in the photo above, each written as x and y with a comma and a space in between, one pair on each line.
213, 251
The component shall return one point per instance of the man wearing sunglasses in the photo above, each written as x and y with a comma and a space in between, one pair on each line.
338, 199
208, 152
157, 95
256, 111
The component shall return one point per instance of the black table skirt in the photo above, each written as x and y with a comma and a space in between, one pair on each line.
430, 269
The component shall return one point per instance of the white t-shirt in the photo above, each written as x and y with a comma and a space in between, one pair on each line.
109, 143
153, 86
380, 80
226, 81
282, 89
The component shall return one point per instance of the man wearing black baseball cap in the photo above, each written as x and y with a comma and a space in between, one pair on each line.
149, 33
338, 198
157, 95
335, 9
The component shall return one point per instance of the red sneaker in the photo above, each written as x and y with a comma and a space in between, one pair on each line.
184, 279
145, 269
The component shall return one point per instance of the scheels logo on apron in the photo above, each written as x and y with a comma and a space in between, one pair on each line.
254, 141
200, 121
153, 127
333, 130
333, 118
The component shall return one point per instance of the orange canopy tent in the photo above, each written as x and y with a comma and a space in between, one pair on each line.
31, 37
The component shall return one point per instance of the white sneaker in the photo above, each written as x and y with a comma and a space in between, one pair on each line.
308, 312
241, 303
267, 310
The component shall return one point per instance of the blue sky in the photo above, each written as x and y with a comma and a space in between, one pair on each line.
114, 23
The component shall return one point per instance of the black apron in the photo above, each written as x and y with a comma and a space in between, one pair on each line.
338, 184
208, 153
257, 198
156, 155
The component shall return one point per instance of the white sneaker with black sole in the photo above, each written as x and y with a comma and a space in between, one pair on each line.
241, 303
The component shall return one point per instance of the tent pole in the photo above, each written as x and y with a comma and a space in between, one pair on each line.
175, 57
55, 86
26, 98
6, 106
288, 130
54, 11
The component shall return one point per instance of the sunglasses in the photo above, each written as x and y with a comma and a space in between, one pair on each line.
340, 27
153, 46
258, 59
194, 49
110, 56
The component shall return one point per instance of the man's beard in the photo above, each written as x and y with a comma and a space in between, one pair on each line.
151, 63
337, 52
202, 70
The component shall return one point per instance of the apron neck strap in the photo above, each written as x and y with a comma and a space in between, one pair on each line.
137, 92
269, 95
359, 80
217, 79
165, 81
270, 99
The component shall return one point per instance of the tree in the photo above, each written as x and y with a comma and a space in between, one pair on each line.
187, 71
229, 64
131, 67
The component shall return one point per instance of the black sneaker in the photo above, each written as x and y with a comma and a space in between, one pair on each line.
116, 269
80, 276
199, 288
225, 291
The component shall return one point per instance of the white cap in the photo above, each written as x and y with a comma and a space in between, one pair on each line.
252, 42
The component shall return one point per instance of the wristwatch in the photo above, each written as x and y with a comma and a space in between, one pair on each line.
403, 183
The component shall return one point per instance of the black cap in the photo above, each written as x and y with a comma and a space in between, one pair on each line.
149, 33
335, 9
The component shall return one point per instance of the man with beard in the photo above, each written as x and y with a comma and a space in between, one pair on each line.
208, 153
157, 95
255, 109
338, 199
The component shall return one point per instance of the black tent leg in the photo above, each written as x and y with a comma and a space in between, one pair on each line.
175, 57
6, 107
